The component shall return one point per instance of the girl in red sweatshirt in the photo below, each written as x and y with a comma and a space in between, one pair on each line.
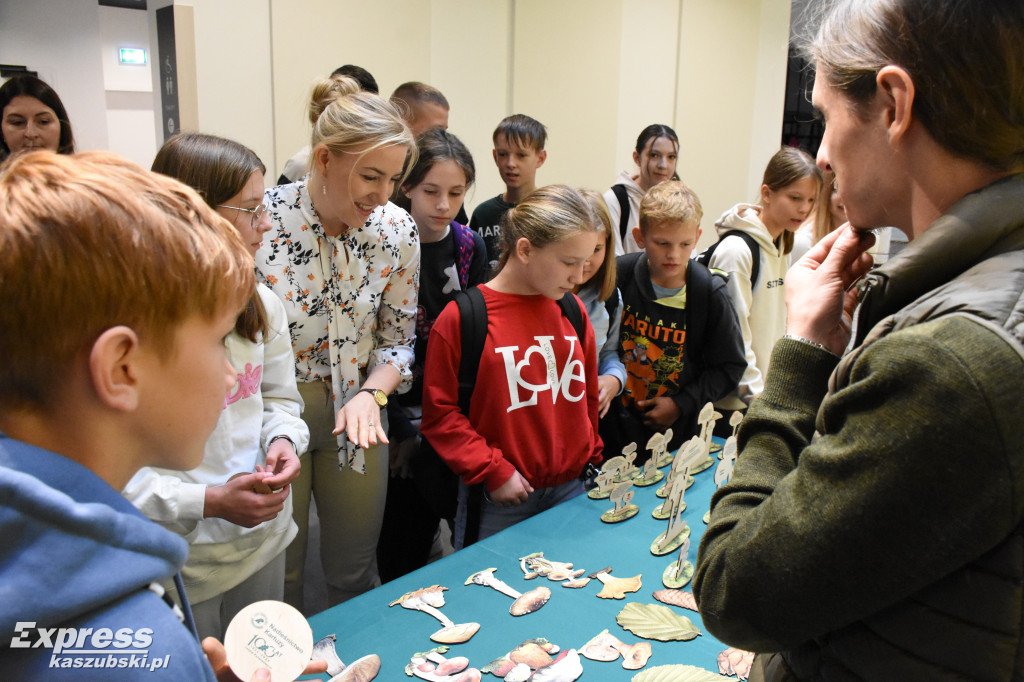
532, 422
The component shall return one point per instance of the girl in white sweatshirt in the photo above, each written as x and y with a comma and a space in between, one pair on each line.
656, 154
788, 190
234, 509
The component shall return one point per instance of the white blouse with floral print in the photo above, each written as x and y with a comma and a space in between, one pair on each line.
351, 300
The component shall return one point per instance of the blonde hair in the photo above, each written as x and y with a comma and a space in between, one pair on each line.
671, 201
823, 216
547, 215
91, 241
348, 120
604, 279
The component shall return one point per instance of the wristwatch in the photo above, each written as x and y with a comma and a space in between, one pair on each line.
378, 395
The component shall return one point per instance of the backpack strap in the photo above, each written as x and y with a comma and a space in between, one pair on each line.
698, 301
463, 237
755, 252
620, 193
571, 309
473, 326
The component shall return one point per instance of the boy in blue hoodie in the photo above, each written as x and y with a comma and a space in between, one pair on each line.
119, 288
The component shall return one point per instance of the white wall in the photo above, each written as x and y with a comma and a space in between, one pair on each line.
648, 58
473, 68
234, 84
566, 59
729, 104
60, 40
595, 72
390, 38
73, 45
128, 88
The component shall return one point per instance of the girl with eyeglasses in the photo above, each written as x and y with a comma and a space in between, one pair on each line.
346, 261
235, 509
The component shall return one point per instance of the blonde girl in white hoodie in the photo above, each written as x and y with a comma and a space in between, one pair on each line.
788, 190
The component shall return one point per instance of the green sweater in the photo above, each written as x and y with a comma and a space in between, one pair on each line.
889, 546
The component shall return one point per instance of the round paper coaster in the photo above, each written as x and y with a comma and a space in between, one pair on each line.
271, 635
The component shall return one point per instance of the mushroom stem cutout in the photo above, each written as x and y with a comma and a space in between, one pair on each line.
427, 599
524, 603
366, 668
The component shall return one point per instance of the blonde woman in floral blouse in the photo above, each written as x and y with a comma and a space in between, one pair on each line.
346, 264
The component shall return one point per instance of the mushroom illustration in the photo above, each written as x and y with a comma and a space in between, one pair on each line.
363, 670
603, 647
523, 604
434, 667
606, 647
566, 668
427, 599
616, 588
535, 564
531, 654
635, 656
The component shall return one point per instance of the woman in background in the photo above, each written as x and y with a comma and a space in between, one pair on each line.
32, 117
829, 213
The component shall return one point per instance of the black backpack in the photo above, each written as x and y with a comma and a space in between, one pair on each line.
755, 250
620, 193
440, 485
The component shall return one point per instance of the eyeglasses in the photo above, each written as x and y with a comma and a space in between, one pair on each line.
256, 214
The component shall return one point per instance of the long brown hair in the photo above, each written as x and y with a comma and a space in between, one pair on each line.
218, 169
786, 166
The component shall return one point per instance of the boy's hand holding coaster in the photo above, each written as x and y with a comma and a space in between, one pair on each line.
269, 635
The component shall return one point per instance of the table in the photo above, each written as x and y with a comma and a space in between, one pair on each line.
572, 532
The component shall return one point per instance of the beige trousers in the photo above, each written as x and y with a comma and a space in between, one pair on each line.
350, 507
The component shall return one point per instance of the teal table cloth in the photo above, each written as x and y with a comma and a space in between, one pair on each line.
572, 532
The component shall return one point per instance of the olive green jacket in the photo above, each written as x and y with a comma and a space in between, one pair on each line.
890, 545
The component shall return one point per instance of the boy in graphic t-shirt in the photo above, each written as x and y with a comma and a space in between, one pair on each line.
679, 339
